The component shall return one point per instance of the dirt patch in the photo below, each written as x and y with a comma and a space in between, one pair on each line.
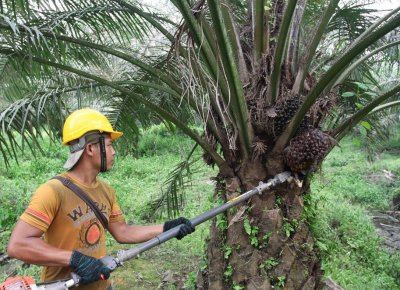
9, 266
387, 224
383, 176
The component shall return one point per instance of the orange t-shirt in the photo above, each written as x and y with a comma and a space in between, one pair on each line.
69, 223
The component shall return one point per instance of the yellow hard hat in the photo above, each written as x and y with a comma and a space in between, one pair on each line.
83, 121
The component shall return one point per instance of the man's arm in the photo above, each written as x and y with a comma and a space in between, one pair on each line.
131, 234
128, 234
26, 245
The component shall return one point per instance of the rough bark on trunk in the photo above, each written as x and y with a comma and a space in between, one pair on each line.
264, 244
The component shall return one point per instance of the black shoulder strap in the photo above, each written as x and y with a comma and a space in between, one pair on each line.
79, 192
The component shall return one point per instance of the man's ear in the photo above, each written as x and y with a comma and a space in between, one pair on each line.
90, 149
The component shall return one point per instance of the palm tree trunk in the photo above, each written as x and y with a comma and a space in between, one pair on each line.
264, 244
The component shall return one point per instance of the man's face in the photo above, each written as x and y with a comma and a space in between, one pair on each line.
110, 152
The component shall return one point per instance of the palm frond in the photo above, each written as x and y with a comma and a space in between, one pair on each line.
385, 106
312, 47
173, 189
345, 73
24, 120
234, 39
376, 128
158, 110
238, 105
333, 71
340, 130
280, 50
82, 19
259, 35
349, 22
88, 53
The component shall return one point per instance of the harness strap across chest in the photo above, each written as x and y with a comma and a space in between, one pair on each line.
82, 195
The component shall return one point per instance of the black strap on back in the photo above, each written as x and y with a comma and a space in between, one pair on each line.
80, 193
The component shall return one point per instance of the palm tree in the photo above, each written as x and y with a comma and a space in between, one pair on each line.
262, 76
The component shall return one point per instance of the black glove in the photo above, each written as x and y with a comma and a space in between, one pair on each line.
89, 269
186, 228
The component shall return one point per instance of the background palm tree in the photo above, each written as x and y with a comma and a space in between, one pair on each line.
262, 77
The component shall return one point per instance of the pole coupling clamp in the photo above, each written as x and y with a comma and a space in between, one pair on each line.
260, 187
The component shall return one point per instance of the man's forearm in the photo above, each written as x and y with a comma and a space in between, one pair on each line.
34, 250
132, 234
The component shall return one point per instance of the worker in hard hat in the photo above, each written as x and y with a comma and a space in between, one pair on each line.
74, 237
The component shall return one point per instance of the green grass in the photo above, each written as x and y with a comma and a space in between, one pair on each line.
344, 193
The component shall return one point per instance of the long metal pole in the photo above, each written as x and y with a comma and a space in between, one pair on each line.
123, 256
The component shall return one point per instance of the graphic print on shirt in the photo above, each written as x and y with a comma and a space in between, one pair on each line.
79, 211
90, 229
90, 233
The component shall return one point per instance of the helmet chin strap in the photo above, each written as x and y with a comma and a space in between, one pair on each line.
103, 155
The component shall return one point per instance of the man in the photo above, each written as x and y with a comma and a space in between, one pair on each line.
74, 238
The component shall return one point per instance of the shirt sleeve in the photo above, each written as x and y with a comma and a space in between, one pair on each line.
42, 208
116, 214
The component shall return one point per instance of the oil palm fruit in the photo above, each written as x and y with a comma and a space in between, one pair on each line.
307, 150
285, 110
